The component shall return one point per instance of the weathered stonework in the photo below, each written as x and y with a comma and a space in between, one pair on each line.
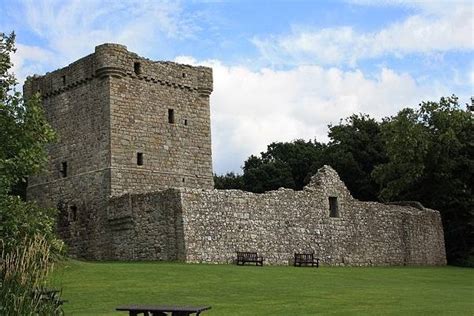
211, 225
106, 108
135, 135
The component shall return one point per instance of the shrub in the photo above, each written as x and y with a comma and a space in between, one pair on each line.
23, 277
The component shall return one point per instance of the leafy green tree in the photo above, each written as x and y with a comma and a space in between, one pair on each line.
24, 133
431, 160
229, 181
355, 148
282, 165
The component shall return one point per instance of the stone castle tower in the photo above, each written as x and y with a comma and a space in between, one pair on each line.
125, 124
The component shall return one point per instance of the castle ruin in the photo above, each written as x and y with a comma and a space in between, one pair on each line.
131, 176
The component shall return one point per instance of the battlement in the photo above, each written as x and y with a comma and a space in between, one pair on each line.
116, 61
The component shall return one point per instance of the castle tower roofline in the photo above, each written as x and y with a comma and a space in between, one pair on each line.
114, 60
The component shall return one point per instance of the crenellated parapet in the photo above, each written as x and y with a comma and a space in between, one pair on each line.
114, 60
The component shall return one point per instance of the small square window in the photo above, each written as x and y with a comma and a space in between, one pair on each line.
140, 159
171, 116
137, 68
63, 170
333, 207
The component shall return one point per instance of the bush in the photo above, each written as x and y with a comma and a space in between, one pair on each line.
23, 276
20, 220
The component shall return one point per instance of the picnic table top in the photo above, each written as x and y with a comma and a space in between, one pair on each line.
162, 308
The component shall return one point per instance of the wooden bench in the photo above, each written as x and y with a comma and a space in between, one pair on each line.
245, 256
51, 295
162, 310
306, 259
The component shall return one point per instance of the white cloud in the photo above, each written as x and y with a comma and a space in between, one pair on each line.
71, 29
439, 27
251, 109
30, 60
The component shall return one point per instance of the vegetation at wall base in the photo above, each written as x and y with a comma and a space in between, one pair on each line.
24, 274
96, 288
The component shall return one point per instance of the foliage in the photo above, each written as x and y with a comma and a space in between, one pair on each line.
282, 165
95, 288
20, 220
355, 148
431, 160
23, 274
229, 181
24, 133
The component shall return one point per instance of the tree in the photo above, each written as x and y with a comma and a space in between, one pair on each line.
282, 165
431, 160
229, 181
355, 148
24, 133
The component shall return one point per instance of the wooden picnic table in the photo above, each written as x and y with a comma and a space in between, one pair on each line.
161, 310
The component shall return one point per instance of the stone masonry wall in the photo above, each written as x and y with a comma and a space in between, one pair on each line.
176, 154
147, 226
76, 105
211, 225
217, 223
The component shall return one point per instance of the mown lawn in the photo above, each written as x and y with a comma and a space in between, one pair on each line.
97, 288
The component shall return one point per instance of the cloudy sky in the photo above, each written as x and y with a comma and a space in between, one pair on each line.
282, 69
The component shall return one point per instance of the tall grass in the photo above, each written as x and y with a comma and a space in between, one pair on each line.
23, 276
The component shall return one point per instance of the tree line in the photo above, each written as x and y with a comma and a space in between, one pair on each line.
424, 154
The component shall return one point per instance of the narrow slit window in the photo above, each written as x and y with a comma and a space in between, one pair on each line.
73, 213
171, 116
333, 207
137, 67
186, 122
140, 159
184, 75
63, 79
63, 169
183, 180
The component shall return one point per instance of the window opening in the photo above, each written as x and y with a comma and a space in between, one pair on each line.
64, 169
63, 78
171, 116
183, 180
73, 213
137, 67
333, 207
140, 159
186, 122
184, 75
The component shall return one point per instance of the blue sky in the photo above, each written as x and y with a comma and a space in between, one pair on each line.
282, 69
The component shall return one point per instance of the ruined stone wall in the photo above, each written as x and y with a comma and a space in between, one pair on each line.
211, 225
276, 224
147, 226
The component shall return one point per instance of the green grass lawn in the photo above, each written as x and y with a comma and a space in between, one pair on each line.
97, 288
